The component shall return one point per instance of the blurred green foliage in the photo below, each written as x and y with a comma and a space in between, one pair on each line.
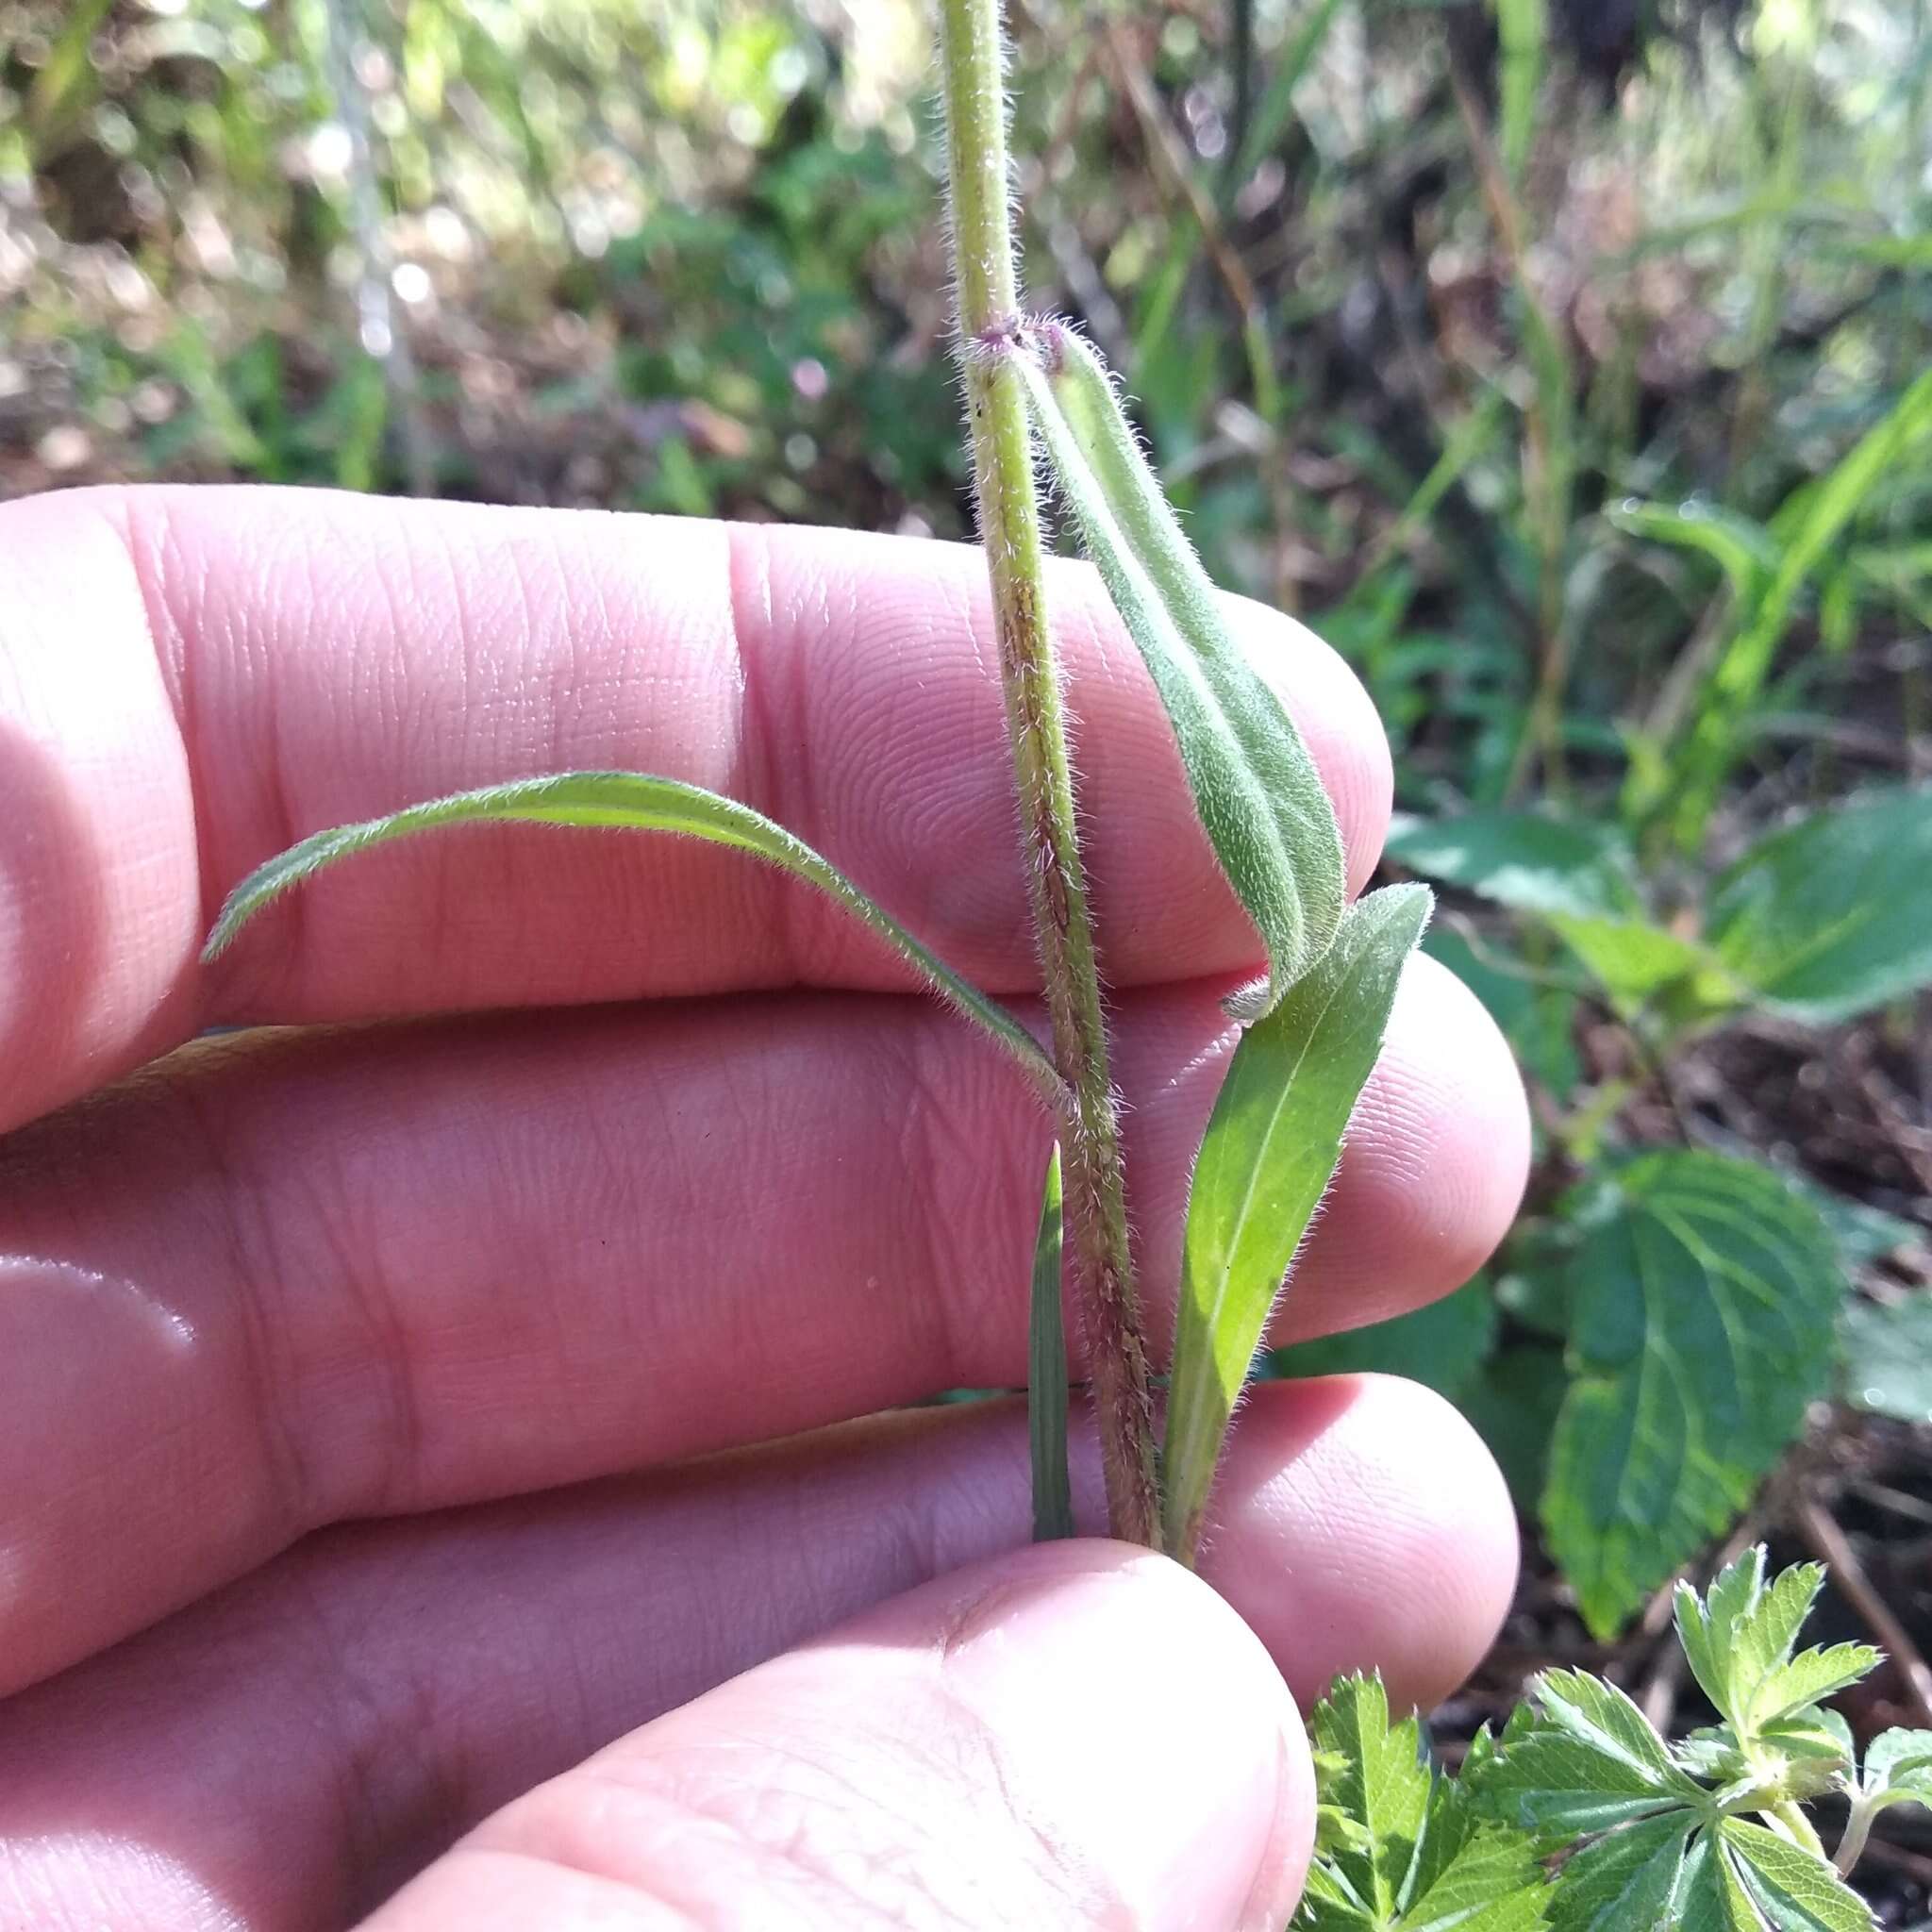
1562, 361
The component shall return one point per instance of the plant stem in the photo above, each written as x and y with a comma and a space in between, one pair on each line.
989, 313
1790, 1814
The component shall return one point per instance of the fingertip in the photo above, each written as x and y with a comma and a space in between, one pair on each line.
1359, 1524
1432, 1172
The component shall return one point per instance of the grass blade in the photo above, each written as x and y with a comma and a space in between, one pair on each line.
1255, 786
1046, 1373
1270, 1147
638, 802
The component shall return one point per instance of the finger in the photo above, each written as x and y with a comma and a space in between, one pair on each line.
298, 1745
300, 1280
191, 680
1077, 1735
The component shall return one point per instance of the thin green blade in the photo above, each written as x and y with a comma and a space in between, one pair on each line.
1269, 1148
1255, 789
638, 802
1046, 1373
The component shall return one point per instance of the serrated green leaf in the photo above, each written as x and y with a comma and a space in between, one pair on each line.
1255, 787
1740, 1636
637, 802
1046, 1371
1711, 1896
1529, 861
1705, 1291
1626, 1882
1887, 1346
1897, 1769
1792, 1890
1382, 1786
1591, 1762
1829, 917
1405, 1850
1270, 1147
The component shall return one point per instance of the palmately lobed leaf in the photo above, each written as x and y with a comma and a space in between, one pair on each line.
1590, 1762
1269, 1149
1741, 1636
1255, 789
1405, 1850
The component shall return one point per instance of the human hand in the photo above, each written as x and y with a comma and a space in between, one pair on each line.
351, 1379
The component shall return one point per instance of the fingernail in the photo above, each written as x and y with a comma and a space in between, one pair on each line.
1145, 1732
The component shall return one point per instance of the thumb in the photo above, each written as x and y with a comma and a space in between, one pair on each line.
1077, 1735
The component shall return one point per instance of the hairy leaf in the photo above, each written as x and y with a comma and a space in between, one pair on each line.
1704, 1294
1255, 787
1829, 917
1897, 1769
1046, 1371
1270, 1147
637, 802
1790, 1890
1739, 1638
1404, 1851
1591, 1762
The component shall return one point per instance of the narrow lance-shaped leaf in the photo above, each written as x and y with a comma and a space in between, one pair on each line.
1255, 789
642, 803
1271, 1145
1046, 1375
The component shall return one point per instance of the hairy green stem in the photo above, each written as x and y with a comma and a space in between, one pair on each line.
972, 57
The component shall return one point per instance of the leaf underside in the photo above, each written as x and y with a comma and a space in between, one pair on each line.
638, 802
1270, 1147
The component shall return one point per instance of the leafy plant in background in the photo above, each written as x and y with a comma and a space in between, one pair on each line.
1695, 1293
1310, 1029
1580, 1818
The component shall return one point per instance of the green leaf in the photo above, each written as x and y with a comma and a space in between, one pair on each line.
1403, 1850
1591, 1762
1739, 1638
1887, 1356
1829, 917
1897, 1769
1270, 1147
1804, 530
1705, 1291
1046, 1371
1743, 549
1382, 1787
1642, 967
1255, 787
1441, 1345
1630, 1881
1792, 1890
1512, 1403
637, 802
1527, 860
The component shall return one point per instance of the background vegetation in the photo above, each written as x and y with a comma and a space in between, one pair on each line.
1564, 361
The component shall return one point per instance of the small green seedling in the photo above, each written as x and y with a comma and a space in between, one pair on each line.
1310, 1028
1581, 1818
